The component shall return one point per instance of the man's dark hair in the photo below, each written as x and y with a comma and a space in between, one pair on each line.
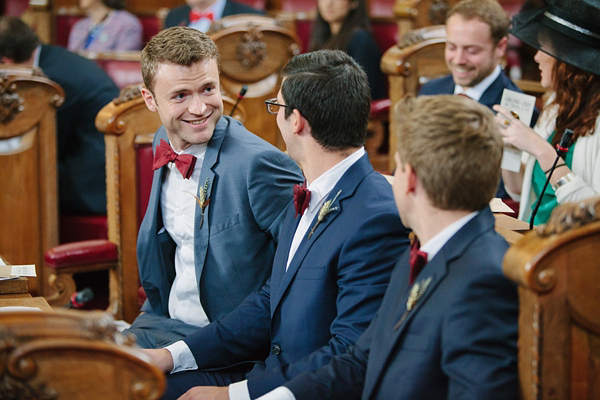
17, 40
332, 92
114, 4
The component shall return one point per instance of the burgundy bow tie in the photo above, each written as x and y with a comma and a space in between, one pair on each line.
417, 260
301, 198
196, 15
464, 95
184, 162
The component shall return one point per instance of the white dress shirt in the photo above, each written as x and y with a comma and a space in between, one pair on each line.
179, 207
476, 91
432, 247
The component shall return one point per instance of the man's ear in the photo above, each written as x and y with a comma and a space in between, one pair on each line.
149, 99
411, 185
6, 60
500, 49
299, 123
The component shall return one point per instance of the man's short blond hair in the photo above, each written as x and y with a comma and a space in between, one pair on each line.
454, 146
178, 45
488, 11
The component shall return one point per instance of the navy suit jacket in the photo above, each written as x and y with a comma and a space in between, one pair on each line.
250, 183
180, 16
327, 297
459, 340
81, 165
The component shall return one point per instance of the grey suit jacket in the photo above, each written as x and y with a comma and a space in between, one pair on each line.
250, 183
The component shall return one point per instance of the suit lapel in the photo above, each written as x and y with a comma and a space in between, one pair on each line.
347, 185
283, 248
207, 181
493, 93
393, 329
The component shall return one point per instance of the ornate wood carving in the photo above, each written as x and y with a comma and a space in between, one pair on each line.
16, 373
571, 216
129, 93
437, 12
10, 102
251, 50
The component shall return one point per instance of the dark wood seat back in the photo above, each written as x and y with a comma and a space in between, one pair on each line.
557, 268
28, 167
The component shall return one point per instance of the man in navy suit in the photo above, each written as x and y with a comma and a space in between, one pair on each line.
199, 14
447, 326
210, 231
338, 245
476, 40
81, 165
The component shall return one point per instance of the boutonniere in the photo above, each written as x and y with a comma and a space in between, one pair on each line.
416, 292
325, 209
202, 201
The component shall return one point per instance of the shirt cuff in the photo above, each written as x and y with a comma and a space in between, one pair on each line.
183, 359
280, 393
239, 391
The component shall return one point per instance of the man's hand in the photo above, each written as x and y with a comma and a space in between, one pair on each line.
206, 393
161, 358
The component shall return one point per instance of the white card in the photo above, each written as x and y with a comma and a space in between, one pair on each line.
17, 270
523, 105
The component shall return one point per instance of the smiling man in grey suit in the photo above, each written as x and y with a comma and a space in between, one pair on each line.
218, 195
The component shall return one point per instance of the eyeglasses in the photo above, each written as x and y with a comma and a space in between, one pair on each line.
273, 106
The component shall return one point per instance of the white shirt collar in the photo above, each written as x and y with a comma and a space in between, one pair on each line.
476, 91
434, 245
36, 56
321, 186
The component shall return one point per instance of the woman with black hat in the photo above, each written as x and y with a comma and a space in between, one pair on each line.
567, 36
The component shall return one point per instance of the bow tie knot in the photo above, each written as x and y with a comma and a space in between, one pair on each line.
301, 198
196, 15
184, 162
417, 260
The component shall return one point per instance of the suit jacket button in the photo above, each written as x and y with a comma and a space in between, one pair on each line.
276, 349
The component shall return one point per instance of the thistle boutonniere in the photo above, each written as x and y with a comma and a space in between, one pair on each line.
325, 209
202, 201
416, 292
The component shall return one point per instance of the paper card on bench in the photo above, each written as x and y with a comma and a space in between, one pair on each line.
522, 104
17, 270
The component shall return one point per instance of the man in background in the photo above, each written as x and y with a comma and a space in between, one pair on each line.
476, 40
81, 159
199, 14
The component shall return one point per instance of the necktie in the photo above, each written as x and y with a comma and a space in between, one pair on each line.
463, 95
196, 15
184, 162
301, 198
417, 260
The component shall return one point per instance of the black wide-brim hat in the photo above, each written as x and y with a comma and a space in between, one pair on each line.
568, 30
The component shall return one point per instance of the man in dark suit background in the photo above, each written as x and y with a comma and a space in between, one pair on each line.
476, 40
81, 159
447, 326
336, 251
199, 14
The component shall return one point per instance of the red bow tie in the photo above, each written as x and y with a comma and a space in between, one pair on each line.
301, 198
417, 260
184, 162
196, 15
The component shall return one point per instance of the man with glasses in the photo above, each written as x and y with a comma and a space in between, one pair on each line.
339, 242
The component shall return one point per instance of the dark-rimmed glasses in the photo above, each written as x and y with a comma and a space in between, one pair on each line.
273, 106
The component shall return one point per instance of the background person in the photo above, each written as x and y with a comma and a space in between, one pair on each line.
566, 34
344, 25
107, 27
199, 14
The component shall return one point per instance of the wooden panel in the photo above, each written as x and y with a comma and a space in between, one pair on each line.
29, 213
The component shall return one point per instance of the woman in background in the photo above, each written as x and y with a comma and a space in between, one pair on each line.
344, 25
567, 36
108, 27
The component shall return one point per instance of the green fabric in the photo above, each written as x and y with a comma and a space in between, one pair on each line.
538, 180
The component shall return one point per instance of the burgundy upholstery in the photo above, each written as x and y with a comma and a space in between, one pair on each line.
381, 8
74, 228
14, 8
150, 25
257, 4
122, 72
64, 23
380, 109
144, 174
81, 253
